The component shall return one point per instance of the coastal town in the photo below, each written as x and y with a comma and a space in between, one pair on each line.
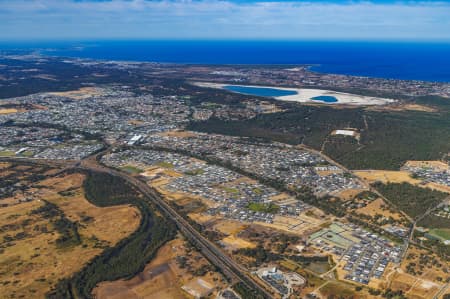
296, 219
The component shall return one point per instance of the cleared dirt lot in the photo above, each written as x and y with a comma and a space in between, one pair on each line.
8, 110
162, 278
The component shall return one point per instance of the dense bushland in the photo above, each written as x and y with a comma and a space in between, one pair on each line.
129, 256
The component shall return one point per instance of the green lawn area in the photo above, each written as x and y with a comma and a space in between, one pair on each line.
319, 267
27, 154
7, 153
231, 190
195, 171
210, 105
443, 233
257, 191
262, 207
131, 169
165, 164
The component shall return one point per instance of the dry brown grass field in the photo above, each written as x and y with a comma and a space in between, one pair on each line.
80, 94
232, 242
349, 193
179, 134
163, 277
401, 176
8, 110
386, 176
427, 278
414, 287
378, 206
33, 262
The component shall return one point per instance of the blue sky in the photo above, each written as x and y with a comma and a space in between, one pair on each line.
224, 19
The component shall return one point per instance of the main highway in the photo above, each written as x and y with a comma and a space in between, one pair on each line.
227, 265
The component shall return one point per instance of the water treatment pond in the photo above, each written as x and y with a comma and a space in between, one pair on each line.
260, 91
326, 99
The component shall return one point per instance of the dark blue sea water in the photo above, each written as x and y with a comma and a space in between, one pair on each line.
260, 91
406, 60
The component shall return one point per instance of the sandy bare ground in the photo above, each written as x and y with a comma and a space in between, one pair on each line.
304, 95
8, 111
229, 227
296, 225
162, 278
233, 242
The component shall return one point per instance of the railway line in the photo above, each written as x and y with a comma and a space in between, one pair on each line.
227, 265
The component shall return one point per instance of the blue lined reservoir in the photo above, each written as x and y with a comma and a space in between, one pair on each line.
326, 99
260, 91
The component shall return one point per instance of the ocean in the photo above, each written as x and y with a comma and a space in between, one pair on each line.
392, 60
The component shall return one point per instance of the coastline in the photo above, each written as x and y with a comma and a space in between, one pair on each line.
340, 58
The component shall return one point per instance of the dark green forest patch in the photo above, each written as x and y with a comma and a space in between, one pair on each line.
388, 139
129, 256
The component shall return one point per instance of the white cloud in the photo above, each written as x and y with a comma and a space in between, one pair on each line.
223, 19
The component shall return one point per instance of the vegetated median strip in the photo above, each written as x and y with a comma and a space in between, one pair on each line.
129, 256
